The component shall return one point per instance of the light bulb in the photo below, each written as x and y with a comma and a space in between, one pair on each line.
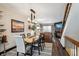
29, 19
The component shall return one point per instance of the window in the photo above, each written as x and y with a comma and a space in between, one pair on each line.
46, 28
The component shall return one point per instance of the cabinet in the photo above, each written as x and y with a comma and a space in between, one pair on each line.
47, 37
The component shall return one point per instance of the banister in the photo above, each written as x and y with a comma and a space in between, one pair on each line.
72, 40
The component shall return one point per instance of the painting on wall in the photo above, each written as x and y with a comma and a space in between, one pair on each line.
17, 26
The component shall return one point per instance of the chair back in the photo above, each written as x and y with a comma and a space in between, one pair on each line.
20, 44
42, 37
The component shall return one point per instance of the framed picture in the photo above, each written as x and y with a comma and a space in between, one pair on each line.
17, 26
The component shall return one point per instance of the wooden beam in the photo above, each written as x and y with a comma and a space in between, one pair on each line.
67, 10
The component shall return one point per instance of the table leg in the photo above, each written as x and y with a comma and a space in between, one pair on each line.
31, 49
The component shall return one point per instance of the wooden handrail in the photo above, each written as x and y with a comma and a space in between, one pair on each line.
72, 40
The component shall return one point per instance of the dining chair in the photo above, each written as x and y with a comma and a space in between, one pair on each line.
20, 45
37, 44
42, 41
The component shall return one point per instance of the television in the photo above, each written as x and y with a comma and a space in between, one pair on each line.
58, 26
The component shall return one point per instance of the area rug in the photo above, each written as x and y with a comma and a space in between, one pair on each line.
46, 52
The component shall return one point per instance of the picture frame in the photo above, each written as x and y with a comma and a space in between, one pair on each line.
17, 26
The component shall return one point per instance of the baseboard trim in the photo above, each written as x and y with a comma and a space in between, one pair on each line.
65, 50
8, 49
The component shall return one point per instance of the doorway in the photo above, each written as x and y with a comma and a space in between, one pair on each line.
47, 31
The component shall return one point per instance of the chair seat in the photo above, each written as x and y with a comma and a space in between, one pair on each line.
35, 44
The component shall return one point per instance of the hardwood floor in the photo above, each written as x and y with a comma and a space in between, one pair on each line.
57, 49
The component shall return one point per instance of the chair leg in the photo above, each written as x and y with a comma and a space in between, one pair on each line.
41, 47
17, 53
38, 50
24, 54
31, 50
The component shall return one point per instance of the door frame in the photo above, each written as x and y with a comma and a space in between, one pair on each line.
52, 28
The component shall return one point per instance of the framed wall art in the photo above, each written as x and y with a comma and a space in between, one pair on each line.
17, 26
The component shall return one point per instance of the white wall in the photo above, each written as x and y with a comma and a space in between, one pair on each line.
9, 14
47, 29
45, 12
72, 26
51, 13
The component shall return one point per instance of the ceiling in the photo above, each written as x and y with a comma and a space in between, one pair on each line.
45, 12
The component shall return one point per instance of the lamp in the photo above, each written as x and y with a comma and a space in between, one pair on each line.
4, 40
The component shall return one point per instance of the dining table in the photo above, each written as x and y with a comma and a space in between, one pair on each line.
31, 40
